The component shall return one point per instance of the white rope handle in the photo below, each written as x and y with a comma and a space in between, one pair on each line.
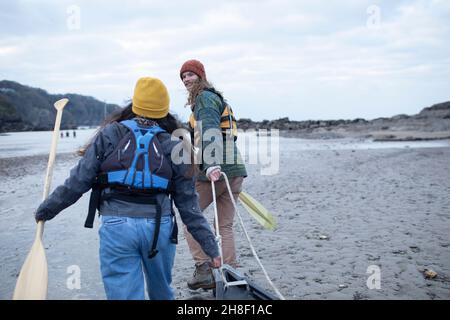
216, 222
245, 232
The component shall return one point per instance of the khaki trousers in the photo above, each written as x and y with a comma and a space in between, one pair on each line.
225, 212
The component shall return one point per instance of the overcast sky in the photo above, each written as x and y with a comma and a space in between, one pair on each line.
272, 59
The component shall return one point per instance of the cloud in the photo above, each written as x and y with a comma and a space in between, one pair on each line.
300, 59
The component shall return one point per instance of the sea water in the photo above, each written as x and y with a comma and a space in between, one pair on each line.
30, 143
19, 144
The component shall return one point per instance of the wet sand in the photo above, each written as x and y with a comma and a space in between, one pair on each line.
338, 212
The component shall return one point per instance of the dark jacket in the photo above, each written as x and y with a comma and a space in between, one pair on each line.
83, 175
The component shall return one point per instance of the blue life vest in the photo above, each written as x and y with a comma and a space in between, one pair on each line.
138, 161
138, 169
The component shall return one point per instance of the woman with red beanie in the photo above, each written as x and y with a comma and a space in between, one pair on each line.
212, 116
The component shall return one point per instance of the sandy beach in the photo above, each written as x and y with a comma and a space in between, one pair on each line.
340, 210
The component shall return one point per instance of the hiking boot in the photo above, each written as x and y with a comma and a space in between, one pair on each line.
203, 278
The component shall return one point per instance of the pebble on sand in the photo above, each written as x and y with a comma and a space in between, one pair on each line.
429, 273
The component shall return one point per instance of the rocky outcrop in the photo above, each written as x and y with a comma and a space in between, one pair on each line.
440, 110
431, 123
286, 124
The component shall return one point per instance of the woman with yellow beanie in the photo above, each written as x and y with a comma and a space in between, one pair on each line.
134, 182
212, 116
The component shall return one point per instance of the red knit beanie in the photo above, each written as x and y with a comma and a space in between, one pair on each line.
194, 66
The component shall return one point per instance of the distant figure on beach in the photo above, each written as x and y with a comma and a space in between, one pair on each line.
74, 134
67, 133
62, 135
211, 109
134, 187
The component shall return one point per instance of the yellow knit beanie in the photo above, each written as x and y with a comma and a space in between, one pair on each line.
150, 99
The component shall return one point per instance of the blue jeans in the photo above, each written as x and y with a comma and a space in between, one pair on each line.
124, 247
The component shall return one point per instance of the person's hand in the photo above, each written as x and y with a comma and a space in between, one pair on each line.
216, 262
214, 175
39, 216
43, 215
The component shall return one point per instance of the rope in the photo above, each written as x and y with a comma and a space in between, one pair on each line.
218, 237
245, 232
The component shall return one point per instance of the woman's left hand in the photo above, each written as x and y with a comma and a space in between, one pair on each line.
214, 175
216, 262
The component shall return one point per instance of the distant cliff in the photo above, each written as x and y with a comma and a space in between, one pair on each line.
24, 108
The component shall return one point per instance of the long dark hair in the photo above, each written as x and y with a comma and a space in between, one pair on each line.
169, 123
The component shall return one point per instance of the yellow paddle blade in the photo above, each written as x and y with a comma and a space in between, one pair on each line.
257, 211
33, 278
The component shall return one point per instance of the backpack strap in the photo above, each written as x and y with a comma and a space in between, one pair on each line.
174, 234
153, 250
135, 128
94, 202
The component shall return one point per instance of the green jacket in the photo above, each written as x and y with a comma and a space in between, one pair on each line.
208, 109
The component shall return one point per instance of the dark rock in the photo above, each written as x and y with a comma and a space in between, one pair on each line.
440, 110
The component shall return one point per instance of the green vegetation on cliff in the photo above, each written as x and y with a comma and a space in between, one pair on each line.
25, 108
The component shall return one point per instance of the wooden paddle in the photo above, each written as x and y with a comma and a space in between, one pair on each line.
33, 278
